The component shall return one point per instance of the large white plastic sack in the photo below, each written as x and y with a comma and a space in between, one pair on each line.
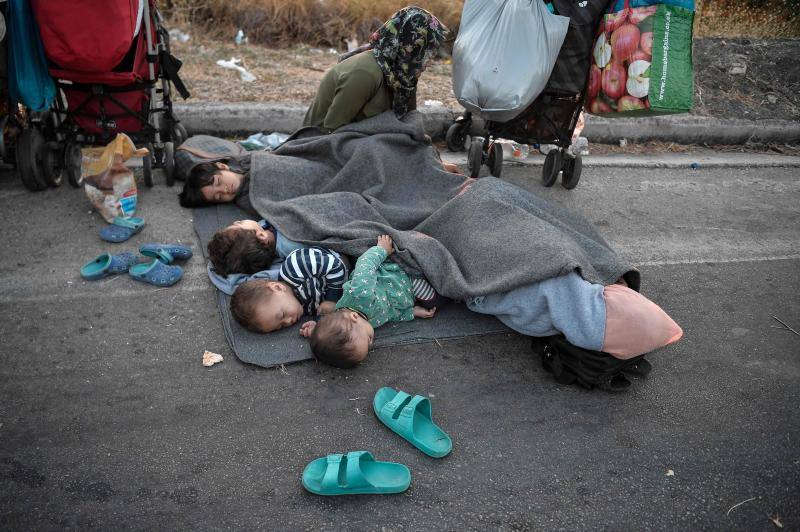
504, 54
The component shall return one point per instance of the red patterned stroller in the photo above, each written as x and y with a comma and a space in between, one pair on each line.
112, 66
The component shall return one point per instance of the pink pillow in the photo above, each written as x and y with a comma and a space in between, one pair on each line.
634, 324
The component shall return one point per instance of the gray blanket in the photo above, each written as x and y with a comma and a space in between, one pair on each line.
467, 237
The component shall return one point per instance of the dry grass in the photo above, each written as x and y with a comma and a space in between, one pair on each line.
288, 22
287, 74
329, 22
765, 19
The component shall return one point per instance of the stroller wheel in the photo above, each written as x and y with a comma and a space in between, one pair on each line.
475, 157
169, 163
495, 161
51, 165
572, 172
456, 137
551, 168
179, 134
30, 152
72, 164
147, 165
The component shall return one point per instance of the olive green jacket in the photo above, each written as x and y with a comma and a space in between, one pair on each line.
349, 92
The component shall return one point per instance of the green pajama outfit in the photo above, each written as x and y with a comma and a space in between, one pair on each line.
380, 291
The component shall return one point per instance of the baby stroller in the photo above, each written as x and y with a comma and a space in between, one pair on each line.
553, 115
112, 67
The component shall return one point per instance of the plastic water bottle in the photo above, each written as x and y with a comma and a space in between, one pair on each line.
581, 146
519, 152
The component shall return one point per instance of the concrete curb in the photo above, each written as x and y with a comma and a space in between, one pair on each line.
666, 160
236, 119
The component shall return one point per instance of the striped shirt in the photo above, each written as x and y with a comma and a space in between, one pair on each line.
315, 274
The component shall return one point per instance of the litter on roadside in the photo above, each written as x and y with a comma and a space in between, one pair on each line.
234, 64
209, 359
177, 35
260, 141
352, 44
433, 103
240, 38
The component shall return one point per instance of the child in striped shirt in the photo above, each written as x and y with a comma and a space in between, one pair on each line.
377, 292
311, 281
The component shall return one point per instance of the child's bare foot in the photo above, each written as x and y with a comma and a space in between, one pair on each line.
451, 167
422, 312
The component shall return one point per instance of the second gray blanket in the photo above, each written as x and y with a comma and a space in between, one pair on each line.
467, 237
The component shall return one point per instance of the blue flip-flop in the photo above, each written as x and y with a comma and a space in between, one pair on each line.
166, 253
355, 473
410, 417
107, 264
121, 229
156, 273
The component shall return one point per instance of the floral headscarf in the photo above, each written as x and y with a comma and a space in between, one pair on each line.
402, 48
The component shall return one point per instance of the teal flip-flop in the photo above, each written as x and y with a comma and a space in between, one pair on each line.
356, 473
410, 417
107, 264
166, 253
122, 228
156, 273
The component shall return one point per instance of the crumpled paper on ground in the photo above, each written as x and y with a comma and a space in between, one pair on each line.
209, 359
108, 183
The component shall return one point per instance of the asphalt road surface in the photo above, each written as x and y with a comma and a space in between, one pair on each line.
108, 419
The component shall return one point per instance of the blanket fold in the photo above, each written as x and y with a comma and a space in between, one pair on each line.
469, 238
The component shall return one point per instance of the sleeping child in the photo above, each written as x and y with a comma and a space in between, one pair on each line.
247, 250
377, 292
311, 281
247, 247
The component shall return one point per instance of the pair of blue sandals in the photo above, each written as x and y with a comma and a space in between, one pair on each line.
157, 272
358, 473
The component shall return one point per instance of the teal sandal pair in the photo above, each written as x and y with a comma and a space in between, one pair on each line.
157, 272
358, 473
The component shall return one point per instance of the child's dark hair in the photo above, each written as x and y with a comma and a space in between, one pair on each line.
246, 299
330, 340
237, 250
200, 176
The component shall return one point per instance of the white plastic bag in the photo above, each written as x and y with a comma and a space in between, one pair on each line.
504, 55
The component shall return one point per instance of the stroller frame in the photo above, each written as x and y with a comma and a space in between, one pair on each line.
553, 115
487, 150
53, 139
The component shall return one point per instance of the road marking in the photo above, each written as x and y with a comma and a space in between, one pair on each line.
92, 294
202, 286
716, 261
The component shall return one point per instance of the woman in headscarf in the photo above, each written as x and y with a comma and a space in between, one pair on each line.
382, 74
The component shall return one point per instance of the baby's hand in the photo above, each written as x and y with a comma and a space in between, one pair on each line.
421, 312
326, 307
385, 241
306, 328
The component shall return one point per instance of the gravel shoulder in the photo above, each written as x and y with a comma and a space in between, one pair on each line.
769, 87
